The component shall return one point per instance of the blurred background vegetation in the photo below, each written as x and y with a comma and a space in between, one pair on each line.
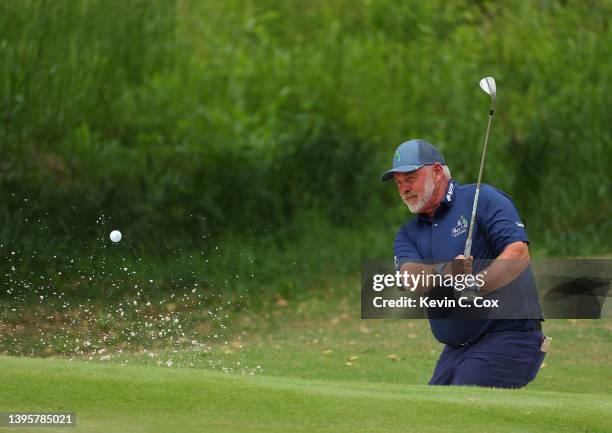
239, 143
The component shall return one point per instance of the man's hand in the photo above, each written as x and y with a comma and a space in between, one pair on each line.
459, 265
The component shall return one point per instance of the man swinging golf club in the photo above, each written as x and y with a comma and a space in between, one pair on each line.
483, 352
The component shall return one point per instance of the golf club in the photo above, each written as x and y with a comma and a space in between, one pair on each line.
488, 85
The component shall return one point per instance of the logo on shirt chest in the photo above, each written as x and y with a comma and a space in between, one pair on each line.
460, 227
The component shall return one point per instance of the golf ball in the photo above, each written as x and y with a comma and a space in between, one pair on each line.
115, 236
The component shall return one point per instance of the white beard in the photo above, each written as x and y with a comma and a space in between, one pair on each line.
424, 198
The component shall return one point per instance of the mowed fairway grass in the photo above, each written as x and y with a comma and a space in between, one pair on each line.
321, 369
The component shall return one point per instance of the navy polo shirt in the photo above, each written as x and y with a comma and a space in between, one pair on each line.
443, 238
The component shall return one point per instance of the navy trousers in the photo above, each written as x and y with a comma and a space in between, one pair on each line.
507, 359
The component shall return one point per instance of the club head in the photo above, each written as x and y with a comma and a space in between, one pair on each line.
488, 85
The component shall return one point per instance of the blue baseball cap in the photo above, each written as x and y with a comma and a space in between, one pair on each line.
411, 156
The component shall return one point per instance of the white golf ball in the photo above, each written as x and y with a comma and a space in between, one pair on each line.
115, 236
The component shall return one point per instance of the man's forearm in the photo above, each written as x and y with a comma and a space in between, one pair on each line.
502, 271
506, 267
419, 269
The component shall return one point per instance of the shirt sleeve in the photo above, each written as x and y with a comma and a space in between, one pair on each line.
500, 219
405, 248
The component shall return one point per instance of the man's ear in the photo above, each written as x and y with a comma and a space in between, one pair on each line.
438, 171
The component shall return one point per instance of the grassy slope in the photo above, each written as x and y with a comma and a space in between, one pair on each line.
141, 398
323, 369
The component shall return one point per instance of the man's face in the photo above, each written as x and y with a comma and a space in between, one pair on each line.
415, 188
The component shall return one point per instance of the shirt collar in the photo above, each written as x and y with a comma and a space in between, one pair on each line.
448, 199
451, 191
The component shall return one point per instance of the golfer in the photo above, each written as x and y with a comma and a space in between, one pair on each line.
483, 352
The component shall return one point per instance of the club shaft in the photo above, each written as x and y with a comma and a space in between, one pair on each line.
468, 244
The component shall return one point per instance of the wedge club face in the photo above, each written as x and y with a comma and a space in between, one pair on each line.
488, 85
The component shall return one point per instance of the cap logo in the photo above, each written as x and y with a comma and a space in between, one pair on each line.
397, 155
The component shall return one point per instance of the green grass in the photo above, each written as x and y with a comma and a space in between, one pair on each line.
137, 398
314, 366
